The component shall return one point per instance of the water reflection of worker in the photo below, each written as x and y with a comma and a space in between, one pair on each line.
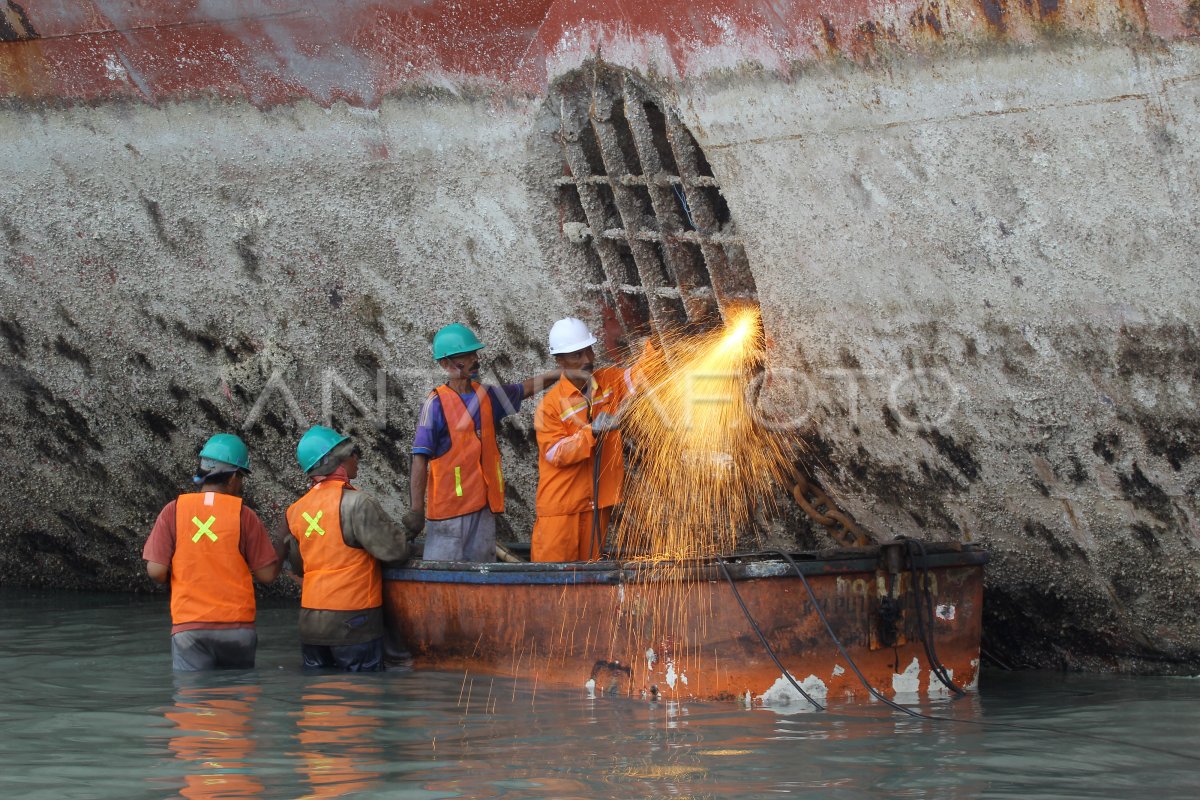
214, 738
576, 491
338, 537
457, 484
337, 737
206, 545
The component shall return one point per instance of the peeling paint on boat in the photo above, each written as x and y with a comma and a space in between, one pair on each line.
909, 681
768, 569
783, 693
973, 684
936, 687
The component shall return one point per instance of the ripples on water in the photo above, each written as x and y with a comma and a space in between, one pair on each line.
90, 709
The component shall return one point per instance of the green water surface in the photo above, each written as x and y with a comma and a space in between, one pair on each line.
89, 708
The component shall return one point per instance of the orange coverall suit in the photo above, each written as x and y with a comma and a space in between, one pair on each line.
566, 444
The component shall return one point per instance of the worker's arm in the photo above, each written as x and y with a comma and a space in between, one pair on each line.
159, 573
257, 548
431, 429
640, 375
159, 549
280, 539
268, 573
287, 550
365, 524
418, 477
538, 383
562, 448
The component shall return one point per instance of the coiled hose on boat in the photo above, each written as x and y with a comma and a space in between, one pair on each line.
925, 616
762, 637
930, 652
824, 620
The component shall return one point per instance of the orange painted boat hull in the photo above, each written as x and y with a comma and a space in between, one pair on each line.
677, 630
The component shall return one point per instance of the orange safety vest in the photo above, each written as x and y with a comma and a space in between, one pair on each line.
466, 477
562, 413
210, 580
336, 577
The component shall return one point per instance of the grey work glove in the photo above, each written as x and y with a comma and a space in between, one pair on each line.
414, 523
605, 422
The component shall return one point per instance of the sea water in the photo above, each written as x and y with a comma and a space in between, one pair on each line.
89, 708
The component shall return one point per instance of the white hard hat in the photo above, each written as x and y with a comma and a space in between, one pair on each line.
570, 335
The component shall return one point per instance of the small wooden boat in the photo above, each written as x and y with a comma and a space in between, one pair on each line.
708, 628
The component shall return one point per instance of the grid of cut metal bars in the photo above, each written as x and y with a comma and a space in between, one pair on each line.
638, 197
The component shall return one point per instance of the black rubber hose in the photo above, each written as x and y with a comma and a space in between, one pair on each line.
596, 458
841, 648
762, 638
923, 601
935, 718
923, 598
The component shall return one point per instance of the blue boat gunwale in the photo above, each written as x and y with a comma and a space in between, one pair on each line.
741, 567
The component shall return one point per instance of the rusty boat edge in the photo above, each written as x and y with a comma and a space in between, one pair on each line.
675, 630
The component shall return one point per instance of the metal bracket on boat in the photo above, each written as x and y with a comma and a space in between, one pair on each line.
888, 623
821, 509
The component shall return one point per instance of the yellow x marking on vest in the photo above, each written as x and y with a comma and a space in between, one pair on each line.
312, 524
203, 529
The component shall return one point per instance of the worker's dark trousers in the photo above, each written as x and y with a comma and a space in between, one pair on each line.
364, 657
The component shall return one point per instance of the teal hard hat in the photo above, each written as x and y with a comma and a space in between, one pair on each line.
228, 449
315, 444
454, 340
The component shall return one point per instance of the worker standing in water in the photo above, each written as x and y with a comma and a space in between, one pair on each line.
456, 483
208, 545
580, 461
339, 536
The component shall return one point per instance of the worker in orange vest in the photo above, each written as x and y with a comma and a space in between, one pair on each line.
580, 463
207, 545
339, 536
456, 482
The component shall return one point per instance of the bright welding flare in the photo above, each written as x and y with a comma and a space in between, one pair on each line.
701, 473
702, 466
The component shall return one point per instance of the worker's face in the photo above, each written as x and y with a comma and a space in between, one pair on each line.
464, 366
577, 366
351, 464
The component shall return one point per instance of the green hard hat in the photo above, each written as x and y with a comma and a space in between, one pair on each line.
228, 449
454, 340
315, 444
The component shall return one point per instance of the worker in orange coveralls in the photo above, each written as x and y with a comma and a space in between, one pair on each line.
576, 422
208, 545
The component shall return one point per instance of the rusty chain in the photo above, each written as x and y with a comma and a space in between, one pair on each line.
822, 510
